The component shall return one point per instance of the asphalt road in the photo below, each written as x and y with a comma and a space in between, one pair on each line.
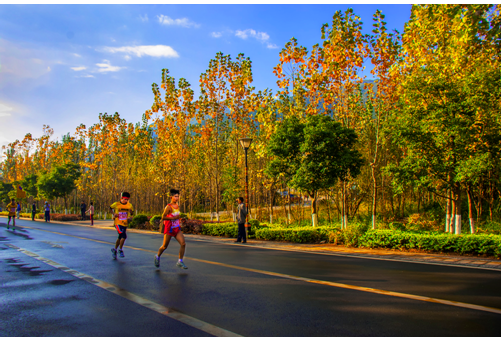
60, 280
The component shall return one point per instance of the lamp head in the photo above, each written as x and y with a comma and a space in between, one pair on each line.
245, 142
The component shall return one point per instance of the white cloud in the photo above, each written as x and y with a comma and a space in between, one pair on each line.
127, 57
88, 75
107, 67
3, 110
143, 18
244, 34
21, 66
260, 36
140, 51
184, 22
78, 68
76, 55
216, 34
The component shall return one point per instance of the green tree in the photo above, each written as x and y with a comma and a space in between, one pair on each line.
449, 98
59, 182
313, 155
5, 188
29, 185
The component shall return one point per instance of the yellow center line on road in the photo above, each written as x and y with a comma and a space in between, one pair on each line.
314, 281
188, 320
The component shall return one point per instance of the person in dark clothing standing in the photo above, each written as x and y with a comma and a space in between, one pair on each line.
241, 216
33, 211
46, 209
83, 208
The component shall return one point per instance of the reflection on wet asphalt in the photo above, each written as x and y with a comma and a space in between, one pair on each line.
31, 271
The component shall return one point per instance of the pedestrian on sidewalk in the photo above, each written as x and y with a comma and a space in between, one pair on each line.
121, 219
241, 216
33, 211
11, 208
18, 209
83, 208
91, 213
170, 228
47, 211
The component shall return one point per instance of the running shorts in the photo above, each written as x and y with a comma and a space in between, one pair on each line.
121, 231
169, 230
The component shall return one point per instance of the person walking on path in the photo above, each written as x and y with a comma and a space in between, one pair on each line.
11, 208
171, 228
46, 209
33, 211
18, 210
121, 220
91, 213
83, 208
241, 216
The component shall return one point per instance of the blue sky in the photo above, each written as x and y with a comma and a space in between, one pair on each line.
62, 65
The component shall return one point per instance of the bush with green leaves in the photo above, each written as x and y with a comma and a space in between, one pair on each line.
220, 229
137, 220
306, 234
155, 221
487, 244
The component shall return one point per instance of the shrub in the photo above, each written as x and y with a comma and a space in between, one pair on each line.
433, 242
488, 227
397, 226
306, 234
353, 232
138, 221
254, 223
191, 226
418, 222
155, 221
217, 229
21, 215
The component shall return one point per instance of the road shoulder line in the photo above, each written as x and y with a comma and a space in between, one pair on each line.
188, 320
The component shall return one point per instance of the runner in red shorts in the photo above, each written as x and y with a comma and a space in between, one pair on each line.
171, 227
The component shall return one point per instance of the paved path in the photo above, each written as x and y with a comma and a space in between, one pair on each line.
59, 280
433, 258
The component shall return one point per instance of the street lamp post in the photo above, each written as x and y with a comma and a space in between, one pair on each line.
245, 142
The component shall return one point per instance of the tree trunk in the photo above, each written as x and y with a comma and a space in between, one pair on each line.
470, 211
453, 215
314, 216
448, 214
457, 201
374, 195
290, 207
344, 217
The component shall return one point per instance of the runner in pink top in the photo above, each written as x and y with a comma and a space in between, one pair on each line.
171, 227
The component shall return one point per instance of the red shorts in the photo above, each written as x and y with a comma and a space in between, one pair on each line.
169, 230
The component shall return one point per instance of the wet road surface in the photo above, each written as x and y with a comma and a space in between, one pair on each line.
56, 281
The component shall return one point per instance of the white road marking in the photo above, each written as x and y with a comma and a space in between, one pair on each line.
188, 320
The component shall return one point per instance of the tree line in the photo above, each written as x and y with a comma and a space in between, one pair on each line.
424, 131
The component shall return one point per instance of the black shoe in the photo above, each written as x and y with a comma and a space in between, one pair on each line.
244, 242
237, 241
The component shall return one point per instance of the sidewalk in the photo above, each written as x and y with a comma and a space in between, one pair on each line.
451, 259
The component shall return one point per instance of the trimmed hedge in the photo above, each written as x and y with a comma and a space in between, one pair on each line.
305, 234
220, 229
358, 235
488, 244
53, 216
21, 215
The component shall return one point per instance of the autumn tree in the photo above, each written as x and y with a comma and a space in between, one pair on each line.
449, 98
